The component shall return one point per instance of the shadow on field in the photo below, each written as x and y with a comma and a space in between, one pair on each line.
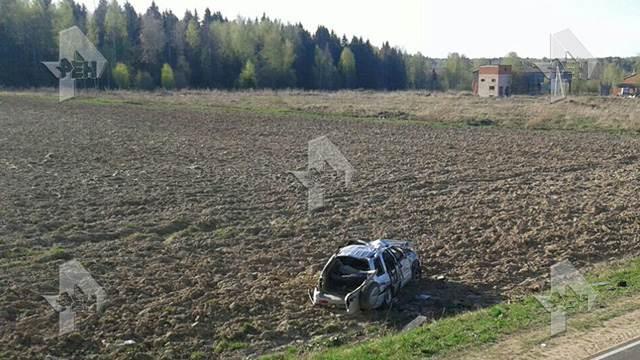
433, 299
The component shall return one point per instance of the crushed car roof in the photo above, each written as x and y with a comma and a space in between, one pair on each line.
368, 250
357, 251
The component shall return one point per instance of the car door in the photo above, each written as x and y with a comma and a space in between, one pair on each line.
352, 299
382, 276
393, 270
323, 275
404, 264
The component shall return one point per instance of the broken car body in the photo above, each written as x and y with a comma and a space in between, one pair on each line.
365, 276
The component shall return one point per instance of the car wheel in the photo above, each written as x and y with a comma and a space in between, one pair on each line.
416, 271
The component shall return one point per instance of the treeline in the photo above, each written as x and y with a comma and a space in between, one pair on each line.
159, 49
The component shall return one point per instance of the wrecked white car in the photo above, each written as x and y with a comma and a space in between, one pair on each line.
365, 276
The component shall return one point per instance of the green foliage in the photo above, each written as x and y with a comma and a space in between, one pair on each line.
152, 38
393, 73
224, 345
518, 79
182, 73
116, 41
193, 34
613, 74
582, 87
96, 24
144, 81
276, 57
458, 72
225, 233
166, 78
197, 355
515, 61
420, 73
347, 67
247, 77
55, 253
207, 52
212, 52
325, 74
63, 16
121, 76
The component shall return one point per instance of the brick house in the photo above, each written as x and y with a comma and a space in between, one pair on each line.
630, 86
492, 81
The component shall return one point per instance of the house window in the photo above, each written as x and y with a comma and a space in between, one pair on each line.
493, 80
492, 87
482, 80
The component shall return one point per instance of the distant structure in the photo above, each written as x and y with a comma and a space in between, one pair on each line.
530, 81
630, 86
560, 78
492, 81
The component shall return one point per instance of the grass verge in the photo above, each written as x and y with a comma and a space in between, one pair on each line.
486, 326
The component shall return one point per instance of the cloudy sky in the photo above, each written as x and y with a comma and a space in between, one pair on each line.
486, 28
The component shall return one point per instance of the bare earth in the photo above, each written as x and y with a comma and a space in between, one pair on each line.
191, 222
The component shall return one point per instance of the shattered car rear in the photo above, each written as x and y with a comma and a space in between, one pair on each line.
365, 276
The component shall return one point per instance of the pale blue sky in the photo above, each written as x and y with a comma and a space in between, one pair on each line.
485, 28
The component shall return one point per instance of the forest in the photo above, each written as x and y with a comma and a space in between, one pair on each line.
159, 49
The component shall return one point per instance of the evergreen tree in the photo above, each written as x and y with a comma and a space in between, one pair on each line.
13, 47
325, 73
366, 63
64, 16
391, 69
213, 52
133, 23
325, 39
144, 81
304, 48
96, 24
116, 39
152, 41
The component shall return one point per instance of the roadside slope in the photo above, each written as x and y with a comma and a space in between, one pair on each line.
577, 343
518, 329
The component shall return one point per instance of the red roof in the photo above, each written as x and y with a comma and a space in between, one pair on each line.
495, 70
632, 79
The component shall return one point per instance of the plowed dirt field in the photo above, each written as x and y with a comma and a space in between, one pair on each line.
191, 222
